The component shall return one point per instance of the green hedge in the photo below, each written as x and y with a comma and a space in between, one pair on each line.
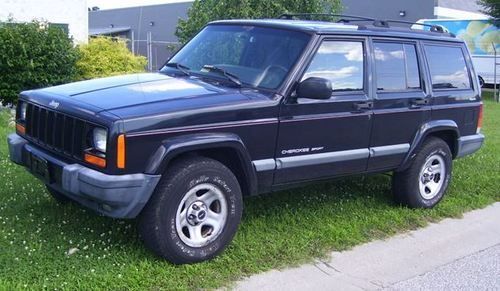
105, 56
33, 55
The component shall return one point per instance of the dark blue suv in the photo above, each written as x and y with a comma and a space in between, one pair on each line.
253, 106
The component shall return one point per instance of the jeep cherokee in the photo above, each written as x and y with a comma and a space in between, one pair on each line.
253, 106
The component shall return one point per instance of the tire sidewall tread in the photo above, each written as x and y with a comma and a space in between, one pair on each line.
406, 183
157, 222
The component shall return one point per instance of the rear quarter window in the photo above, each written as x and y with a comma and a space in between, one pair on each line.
448, 67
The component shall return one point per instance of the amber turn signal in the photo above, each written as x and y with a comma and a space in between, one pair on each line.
20, 128
120, 152
94, 160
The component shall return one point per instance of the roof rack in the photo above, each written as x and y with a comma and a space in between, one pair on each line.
434, 28
354, 18
309, 16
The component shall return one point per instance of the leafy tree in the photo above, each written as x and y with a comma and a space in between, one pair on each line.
491, 7
104, 56
33, 55
204, 11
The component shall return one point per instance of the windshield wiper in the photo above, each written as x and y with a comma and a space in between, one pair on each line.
180, 67
231, 77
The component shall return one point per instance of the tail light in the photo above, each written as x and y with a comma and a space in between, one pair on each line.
480, 118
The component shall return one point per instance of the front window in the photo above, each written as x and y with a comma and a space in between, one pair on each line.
341, 62
255, 56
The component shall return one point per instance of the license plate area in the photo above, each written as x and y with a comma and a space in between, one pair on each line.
40, 168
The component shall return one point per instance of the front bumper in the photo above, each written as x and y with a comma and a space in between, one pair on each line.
120, 196
469, 144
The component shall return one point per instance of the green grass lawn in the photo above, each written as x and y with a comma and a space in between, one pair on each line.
277, 230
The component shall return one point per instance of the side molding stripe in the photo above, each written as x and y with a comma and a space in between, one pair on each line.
264, 165
322, 158
389, 150
329, 157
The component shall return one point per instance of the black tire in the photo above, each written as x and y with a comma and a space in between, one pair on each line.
406, 184
157, 221
60, 198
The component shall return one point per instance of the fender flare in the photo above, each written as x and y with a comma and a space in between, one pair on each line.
424, 131
173, 147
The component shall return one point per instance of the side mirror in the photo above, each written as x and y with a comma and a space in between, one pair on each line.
315, 88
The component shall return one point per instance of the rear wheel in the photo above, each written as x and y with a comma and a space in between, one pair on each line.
424, 183
194, 212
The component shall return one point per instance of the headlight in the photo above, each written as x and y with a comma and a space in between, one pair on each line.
100, 138
22, 111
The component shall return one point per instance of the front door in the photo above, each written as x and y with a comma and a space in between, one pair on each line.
325, 138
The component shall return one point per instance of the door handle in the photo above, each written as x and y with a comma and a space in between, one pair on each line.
363, 106
418, 102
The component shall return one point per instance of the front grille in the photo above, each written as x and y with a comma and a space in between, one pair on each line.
57, 131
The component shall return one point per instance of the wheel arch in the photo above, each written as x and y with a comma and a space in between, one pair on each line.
447, 130
227, 148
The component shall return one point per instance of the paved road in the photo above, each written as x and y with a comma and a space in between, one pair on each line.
455, 254
479, 271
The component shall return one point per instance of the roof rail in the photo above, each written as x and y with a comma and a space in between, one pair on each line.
354, 18
309, 16
434, 28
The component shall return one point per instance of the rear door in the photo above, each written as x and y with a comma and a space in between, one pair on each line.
324, 138
401, 102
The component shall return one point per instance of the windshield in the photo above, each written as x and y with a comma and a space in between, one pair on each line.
248, 55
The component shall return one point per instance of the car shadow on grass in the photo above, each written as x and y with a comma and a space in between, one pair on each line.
280, 211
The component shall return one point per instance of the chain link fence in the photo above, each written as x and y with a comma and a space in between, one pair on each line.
157, 52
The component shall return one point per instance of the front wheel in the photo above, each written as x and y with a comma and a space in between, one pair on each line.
424, 183
194, 212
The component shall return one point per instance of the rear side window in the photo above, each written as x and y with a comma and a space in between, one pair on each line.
448, 67
396, 66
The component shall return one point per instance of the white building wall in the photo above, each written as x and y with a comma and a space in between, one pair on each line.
71, 12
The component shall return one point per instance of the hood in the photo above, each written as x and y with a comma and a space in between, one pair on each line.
136, 95
132, 90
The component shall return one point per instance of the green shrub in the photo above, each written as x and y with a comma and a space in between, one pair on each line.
33, 55
104, 56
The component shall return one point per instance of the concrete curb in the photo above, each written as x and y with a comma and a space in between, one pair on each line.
380, 264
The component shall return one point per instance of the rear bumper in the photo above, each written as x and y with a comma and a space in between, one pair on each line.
120, 196
469, 144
